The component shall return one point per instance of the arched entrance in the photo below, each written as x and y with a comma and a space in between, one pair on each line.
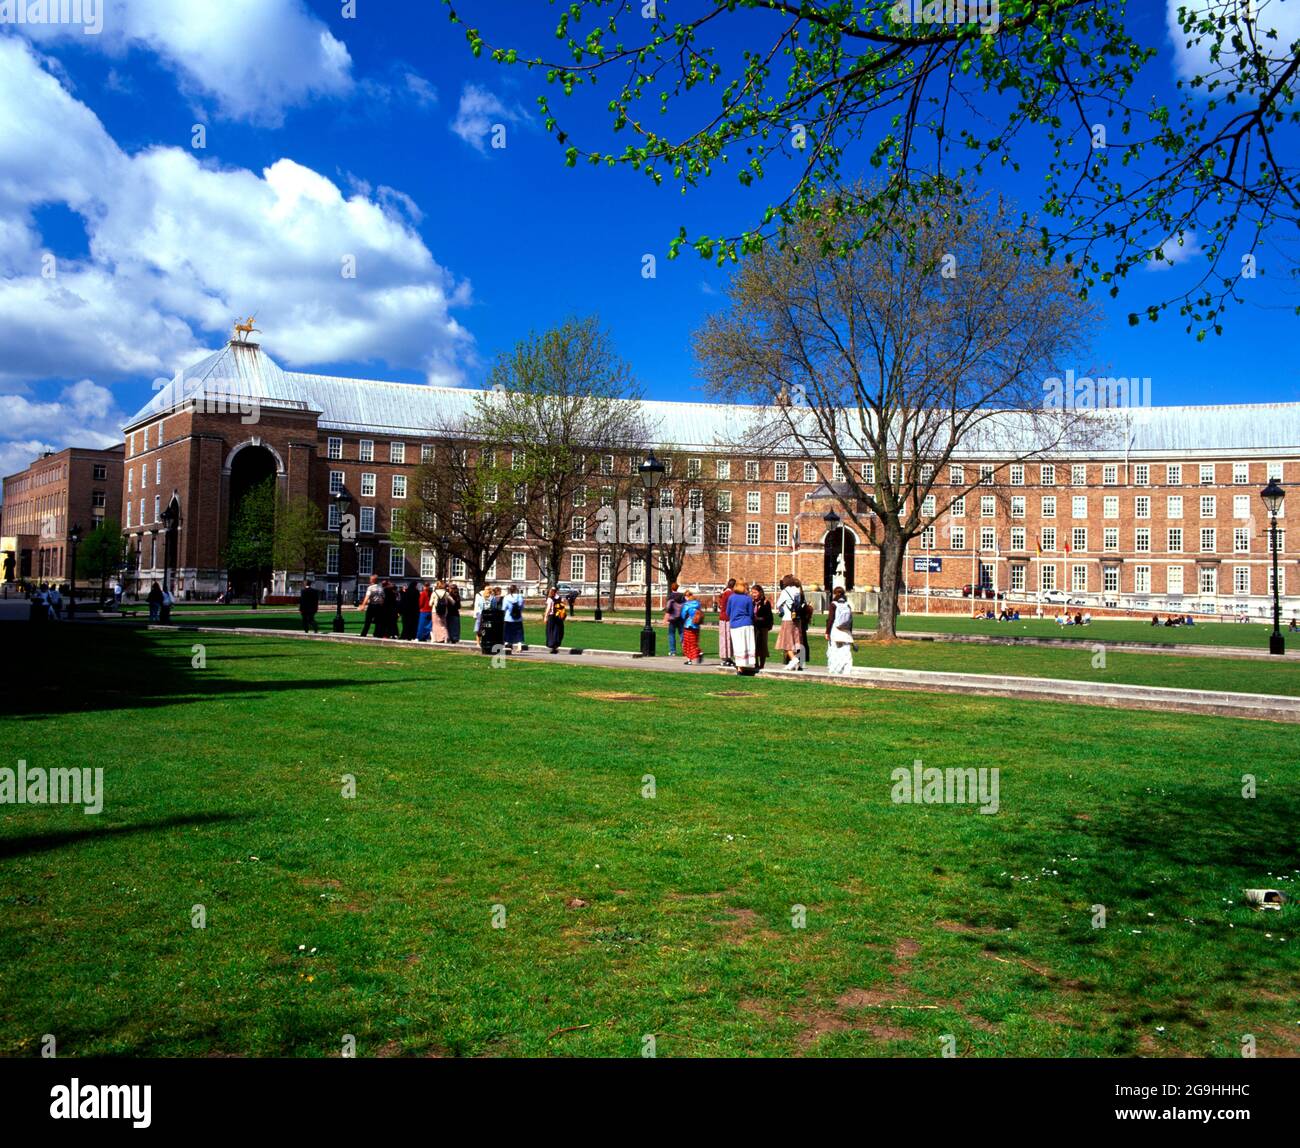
250, 516
840, 537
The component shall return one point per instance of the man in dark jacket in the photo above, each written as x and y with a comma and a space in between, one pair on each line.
308, 604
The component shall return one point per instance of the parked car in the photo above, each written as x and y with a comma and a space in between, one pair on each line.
1056, 597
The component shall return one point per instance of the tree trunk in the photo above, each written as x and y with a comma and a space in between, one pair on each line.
891, 580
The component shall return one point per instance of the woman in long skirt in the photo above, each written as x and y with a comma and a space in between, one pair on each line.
453, 613
724, 625
740, 613
554, 615
839, 634
788, 605
514, 626
441, 604
762, 624
691, 610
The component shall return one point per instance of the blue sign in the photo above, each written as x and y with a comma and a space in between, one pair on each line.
927, 565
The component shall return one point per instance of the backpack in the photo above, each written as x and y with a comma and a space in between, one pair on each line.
516, 611
441, 608
561, 611
674, 609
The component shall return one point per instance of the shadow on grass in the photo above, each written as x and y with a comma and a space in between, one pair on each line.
24, 845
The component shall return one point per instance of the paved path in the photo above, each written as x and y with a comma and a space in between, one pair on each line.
1270, 707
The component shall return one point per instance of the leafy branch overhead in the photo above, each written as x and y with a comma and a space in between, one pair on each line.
806, 96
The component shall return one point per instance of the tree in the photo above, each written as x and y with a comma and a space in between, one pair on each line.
250, 545
878, 366
101, 554
299, 543
465, 493
797, 87
559, 403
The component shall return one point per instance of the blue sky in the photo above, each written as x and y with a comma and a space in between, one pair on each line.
328, 137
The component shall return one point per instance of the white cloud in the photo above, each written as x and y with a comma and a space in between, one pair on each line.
1269, 16
479, 111
253, 58
179, 247
1180, 248
84, 414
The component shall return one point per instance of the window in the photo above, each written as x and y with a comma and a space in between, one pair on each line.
1241, 540
1079, 539
366, 450
1110, 506
365, 560
1047, 475
397, 520
837, 472
397, 452
724, 533
724, 468
1079, 506
1274, 471
927, 506
1174, 580
753, 502
988, 506
1142, 540
334, 448
1281, 587
1208, 505
579, 528
157, 472
428, 564
783, 502
986, 473
367, 486
1141, 474
1207, 540
1079, 475
517, 460
724, 502
957, 475
809, 472
1110, 538
336, 481
927, 471
752, 533
1017, 474
128, 514
1208, 579
958, 507
783, 534
518, 566
1174, 506
1046, 576
1241, 506
695, 499
579, 496
577, 568
1207, 474
635, 496
781, 471
1142, 506
1174, 538
1141, 579
959, 538
1109, 474
751, 470
1048, 508
399, 486
427, 454
1049, 538
1017, 506
988, 539
1281, 541
333, 519
607, 464
1110, 579
606, 568
332, 558
1240, 476
1079, 578
130, 480
366, 523
927, 538
693, 467
142, 512
1174, 474
1018, 577
636, 572
1017, 538
1241, 579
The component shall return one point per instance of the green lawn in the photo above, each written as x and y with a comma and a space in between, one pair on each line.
1190, 672
625, 916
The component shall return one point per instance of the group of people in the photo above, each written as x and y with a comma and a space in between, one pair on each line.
1064, 618
160, 603
46, 601
1173, 620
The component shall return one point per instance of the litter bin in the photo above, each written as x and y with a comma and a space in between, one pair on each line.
492, 628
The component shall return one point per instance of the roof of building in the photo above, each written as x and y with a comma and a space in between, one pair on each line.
240, 375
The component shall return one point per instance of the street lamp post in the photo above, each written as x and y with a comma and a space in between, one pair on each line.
1272, 495
74, 536
342, 500
444, 557
652, 473
170, 517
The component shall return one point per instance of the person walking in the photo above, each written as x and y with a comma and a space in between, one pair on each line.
839, 634
740, 619
480, 597
513, 633
409, 607
155, 601
789, 607
441, 605
453, 613
308, 604
425, 627
372, 604
673, 617
691, 611
724, 626
165, 607
762, 624
555, 612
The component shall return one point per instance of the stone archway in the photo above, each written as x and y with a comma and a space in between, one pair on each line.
249, 468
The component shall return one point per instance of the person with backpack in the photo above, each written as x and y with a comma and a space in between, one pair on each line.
789, 609
691, 612
453, 613
724, 626
513, 633
839, 634
389, 610
308, 605
673, 616
491, 628
555, 613
441, 604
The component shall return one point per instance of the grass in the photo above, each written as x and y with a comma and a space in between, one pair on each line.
1189, 672
522, 787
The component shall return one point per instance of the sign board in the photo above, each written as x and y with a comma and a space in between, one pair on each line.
927, 565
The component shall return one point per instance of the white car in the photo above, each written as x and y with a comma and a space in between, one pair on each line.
1056, 597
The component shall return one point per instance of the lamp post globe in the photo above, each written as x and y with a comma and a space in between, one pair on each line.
343, 501
1272, 496
652, 473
